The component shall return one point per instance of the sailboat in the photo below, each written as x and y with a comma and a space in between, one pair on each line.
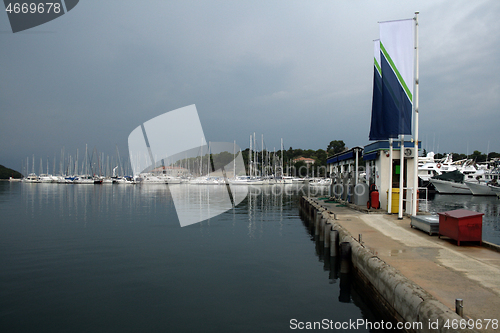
32, 177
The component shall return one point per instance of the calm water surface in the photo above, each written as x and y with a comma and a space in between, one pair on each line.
113, 258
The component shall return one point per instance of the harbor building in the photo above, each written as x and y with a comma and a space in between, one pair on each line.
355, 171
377, 158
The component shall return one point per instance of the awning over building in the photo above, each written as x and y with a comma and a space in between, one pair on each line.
370, 156
345, 155
384, 145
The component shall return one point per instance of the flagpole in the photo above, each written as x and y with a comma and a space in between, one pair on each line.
401, 175
415, 105
389, 199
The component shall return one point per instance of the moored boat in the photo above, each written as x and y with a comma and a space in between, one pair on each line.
479, 188
495, 188
450, 183
32, 178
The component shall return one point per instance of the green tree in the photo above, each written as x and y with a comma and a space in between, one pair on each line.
458, 157
300, 169
493, 155
478, 156
335, 147
320, 157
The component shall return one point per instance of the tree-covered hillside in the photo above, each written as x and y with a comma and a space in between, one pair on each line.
6, 173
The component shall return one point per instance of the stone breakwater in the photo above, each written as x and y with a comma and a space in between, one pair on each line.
402, 299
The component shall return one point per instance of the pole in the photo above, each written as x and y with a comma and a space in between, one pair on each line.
356, 172
282, 158
401, 175
255, 156
389, 203
250, 158
262, 153
415, 105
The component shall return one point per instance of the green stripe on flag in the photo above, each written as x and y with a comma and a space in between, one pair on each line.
400, 78
377, 65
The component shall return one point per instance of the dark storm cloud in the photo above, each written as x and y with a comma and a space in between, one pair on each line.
296, 70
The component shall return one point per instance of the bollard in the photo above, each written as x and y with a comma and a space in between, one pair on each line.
327, 230
334, 243
360, 238
459, 307
345, 257
317, 229
321, 228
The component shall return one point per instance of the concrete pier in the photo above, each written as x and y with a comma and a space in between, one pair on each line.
417, 277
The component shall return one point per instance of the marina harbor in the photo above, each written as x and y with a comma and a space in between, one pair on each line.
250, 166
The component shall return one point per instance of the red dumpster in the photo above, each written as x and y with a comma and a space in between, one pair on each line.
461, 225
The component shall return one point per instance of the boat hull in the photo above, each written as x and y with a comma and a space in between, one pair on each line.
479, 188
447, 187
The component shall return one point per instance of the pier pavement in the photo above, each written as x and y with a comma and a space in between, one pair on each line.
446, 271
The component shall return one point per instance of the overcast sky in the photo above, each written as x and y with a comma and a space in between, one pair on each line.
297, 70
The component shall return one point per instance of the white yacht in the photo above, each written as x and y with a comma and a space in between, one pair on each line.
45, 178
428, 167
480, 185
457, 181
495, 188
151, 179
32, 178
247, 180
84, 179
173, 180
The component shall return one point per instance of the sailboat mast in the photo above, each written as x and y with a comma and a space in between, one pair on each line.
262, 161
254, 155
86, 168
75, 165
119, 161
250, 158
201, 158
282, 157
274, 161
208, 163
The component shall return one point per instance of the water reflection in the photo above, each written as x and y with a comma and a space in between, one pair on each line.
331, 264
106, 250
351, 289
82, 202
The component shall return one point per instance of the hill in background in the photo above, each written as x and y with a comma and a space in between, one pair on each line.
6, 173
